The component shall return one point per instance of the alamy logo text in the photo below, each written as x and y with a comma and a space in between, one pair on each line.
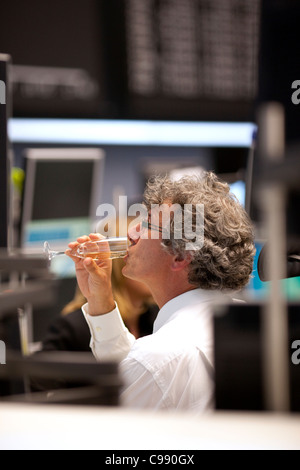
2, 353
2, 92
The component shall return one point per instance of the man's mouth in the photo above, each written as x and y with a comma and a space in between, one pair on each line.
130, 245
132, 242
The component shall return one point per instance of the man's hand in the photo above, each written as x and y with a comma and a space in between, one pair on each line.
94, 278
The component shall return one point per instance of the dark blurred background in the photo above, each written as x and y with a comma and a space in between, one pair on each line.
149, 59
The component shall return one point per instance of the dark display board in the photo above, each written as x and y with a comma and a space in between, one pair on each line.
194, 58
56, 50
279, 81
279, 66
160, 59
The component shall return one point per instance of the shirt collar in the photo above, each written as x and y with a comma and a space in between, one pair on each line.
187, 299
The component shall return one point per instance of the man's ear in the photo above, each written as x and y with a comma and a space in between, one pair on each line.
179, 263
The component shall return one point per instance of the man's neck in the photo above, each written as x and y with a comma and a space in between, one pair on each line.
161, 297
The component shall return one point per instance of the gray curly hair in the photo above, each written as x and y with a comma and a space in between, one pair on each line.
225, 259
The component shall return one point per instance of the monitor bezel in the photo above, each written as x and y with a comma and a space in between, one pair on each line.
35, 155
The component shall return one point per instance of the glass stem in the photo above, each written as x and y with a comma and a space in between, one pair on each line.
56, 253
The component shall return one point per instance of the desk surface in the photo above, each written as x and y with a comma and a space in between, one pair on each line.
34, 427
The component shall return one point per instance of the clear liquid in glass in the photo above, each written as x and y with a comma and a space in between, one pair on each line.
105, 248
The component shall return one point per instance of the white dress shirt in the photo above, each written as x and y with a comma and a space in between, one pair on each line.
169, 369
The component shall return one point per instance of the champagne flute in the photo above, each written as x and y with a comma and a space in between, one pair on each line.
104, 248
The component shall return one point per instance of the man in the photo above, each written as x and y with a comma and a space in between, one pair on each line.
173, 367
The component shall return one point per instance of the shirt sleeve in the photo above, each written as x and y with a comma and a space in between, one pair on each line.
110, 339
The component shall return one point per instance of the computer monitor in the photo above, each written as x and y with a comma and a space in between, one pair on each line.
5, 163
61, 193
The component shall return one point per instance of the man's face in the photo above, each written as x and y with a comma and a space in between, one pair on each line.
147, 261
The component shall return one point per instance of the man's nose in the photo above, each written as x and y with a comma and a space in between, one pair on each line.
134, 232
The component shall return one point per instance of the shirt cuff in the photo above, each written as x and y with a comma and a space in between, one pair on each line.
104, 327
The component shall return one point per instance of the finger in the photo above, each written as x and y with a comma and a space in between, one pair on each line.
71, 248
70, 253
83, 239
73, 245
97, 265
96, 236
91, 266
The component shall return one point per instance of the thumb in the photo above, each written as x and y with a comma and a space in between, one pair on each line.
90, 266
100, 272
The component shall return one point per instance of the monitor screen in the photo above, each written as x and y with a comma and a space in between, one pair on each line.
238, 188
258, 290
61, 193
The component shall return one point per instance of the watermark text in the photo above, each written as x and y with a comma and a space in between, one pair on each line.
2, 352
165, 221
296, 94
295, 357
2, 92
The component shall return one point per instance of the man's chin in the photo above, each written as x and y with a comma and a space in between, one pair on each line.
127, 273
